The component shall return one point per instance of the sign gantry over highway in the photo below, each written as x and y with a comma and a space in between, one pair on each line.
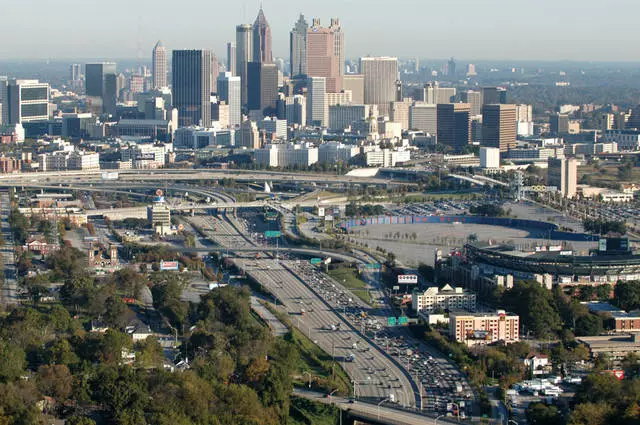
316, 261
272, 234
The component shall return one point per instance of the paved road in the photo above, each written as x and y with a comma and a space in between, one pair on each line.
9, 292
374, 412
276, 326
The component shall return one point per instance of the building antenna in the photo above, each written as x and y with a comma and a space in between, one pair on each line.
139, 43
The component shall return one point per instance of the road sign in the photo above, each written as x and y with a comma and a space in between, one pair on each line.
316, 261
169, 265
396, 288
374, 266
272, 234
407, 278
402, 320
392, 321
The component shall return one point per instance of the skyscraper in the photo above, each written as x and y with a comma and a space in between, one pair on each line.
454, 125
101, 87
262, 39
317, 109
159, 66
559, 124
230, 91
475, 99
244, 55
191, 86
380, 76
298, 47
434, 94
563, 174
262, 87
499, 128
338, 40
322, 60
4, 110
215, 70
452, 68
231, 58
75, 72
27, 101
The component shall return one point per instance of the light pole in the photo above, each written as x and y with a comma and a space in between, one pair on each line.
435, 421
308, 373
378, 407
511, 420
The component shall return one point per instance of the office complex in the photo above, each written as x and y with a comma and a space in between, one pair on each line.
244, 55
322, 58
101, 88
423, 117
262, 39
454, 125
317, 109
499, 128
434, 94
338, 40
355, 84
191, 86
380, 76
229, 89
342, 116
26, 101
262, 87
563, 174
473, 98
298, 47
159, 66
484, 328
559, 124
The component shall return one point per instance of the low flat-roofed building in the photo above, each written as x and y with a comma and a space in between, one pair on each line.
616, 347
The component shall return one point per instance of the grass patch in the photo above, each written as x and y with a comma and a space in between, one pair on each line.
349, 278
300, 219
307, 412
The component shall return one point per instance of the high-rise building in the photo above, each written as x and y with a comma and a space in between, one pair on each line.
563, 174
317, 109
27, 101
4, 110
191, 86
215, 70
322, 60
380, 76
434, 94
248, 135
490, 96
474, 98
298, 47
423, 117
231, 59
262, 39
454, 125
489, 157
499, 127
471, 70
244, 55
355, 84
296, 110
75, 72
230, 91
559, 124
338, 40
524, 113
452, 68
101, 87
400, 113
159, 66
262, 87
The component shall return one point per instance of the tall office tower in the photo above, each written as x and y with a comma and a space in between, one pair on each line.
244, 55
101, 87
474, 98
322, 60
424, 117
215, 70
159, 65
262, 39
471, 70
524, 113
452, 68
563, 174
400, 113
191, 86
298, 47
136, 83
491, 96
380, 76
27, 101
434, 94
75, 72
559, 124
499, 127
230, 91
454, 125
4, 110
338, 40
262, 87
296, 110
231, 59
355, 84
317, 109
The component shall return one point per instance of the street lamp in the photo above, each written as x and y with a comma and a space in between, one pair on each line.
379, 407
435, 421
308, 373
511, 420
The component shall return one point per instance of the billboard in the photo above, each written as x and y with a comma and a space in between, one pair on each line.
169, 265
407, 279
320, 212
602, 245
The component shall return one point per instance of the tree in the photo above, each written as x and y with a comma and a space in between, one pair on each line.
80, 420
541, 414
12, 361
588, 325
627, 295
591, 414
535, 306
149, 353
55, 381
115, 314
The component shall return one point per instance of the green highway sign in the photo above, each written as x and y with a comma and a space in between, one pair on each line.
402, 320
392, 321
272, 234
375, 266
316, 261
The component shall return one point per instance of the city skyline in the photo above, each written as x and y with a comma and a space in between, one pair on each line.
138, 30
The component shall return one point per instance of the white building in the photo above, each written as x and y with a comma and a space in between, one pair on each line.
317, 109
380, 76
27, 101
83, 161
200, 137
342, 116
287, 155
445, 298
386, 157
489, 157
230, 91
423, 117
334, 152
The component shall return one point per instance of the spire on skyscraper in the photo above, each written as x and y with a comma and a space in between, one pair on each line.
262, 39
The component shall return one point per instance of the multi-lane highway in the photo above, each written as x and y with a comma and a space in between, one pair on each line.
9, 287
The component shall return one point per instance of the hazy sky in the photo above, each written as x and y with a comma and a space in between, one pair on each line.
470, 29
